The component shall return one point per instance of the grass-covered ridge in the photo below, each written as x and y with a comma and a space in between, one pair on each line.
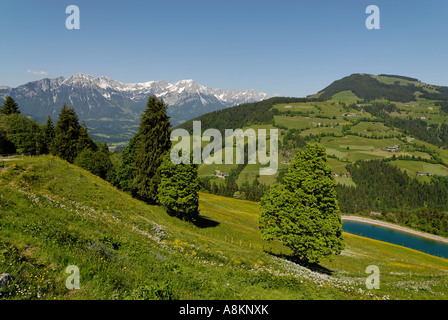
53, 214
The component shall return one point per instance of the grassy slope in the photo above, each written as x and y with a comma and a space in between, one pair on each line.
53, 214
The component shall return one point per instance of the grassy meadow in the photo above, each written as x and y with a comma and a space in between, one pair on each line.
54, 214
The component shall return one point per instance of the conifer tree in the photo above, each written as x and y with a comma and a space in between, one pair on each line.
302, 212
65, 142
84, 140
153, 143
10, 106
49, 129
49, 132
125, 170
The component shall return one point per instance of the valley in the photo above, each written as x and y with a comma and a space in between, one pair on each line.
111, 109
350, 133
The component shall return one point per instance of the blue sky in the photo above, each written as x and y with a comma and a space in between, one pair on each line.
288, 48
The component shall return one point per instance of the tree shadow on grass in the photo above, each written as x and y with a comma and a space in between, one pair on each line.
199, 221
204, 222
316, 267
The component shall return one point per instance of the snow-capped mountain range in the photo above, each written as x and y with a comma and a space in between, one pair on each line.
111, 108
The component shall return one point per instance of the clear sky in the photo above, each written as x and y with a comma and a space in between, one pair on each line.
288, 48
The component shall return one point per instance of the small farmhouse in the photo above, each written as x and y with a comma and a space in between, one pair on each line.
220, 174
393, 149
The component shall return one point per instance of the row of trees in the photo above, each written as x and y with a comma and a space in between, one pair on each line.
68, 139
229, 188
18, 133
145, 170
434, 133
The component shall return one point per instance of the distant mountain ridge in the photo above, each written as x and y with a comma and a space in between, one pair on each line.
112, 108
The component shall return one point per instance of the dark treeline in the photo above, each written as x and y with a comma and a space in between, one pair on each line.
293, 140
229, 187
442, 94
443, 105
19, 134
433, 133
382, 187
242, 115
398, 77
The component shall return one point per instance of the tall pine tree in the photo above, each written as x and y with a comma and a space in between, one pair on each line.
70, 138
84, 140
48, 134
153, 143
10, 106
125, 170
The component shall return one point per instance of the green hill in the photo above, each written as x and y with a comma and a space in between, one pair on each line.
397, 119
389, 87
54, 214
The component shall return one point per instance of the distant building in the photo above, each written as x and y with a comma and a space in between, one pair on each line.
372, 213
220, 174
289, 107
335, 174
421, 173
393, 149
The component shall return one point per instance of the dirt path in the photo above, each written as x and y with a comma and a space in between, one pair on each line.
395, 227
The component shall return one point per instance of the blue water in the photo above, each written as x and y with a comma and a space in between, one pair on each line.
401, 238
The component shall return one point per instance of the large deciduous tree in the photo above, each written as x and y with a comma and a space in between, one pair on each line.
178, 189
302, 212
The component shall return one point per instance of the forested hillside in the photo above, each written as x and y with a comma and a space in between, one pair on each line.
368, 88
242, 115
386, 142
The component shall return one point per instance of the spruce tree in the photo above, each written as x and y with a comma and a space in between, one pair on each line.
67, 132
125, 170
153, 143
302, 212
48, 134
10, 106
84, 140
